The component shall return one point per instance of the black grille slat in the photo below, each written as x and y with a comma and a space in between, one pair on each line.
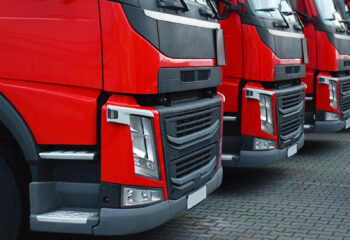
291, 100
192, 129
289, 117
192, 164
344, 95
290, 126
182, 160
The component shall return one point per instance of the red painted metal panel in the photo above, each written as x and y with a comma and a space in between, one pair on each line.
117, 162
259, 60
55, 114
251, 122
322, 95
56, 41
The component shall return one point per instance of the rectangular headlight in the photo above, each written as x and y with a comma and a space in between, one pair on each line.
333, 94
141, 196
263, 144
144, 150
266, 114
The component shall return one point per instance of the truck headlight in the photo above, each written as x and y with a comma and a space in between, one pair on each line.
141, 196
266, 114
263, 144
144, 151
333, 94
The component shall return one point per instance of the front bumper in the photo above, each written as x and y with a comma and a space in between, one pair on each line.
326, 127
130, 221
260, 158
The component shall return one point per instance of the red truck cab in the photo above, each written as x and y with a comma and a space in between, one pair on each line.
110, 119
327, 74
264, 108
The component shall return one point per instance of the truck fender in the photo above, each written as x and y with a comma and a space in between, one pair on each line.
14, 122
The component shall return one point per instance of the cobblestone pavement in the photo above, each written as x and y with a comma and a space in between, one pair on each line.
305, 197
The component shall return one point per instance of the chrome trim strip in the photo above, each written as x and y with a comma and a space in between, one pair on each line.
223, 96
256, 93
228, 157
230, 119
326, 80
68, 155
309, 98
181, 20
339, 36
285, 34
123, 116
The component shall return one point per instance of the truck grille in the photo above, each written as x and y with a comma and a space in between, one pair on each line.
344, 84
190, 136
290, 115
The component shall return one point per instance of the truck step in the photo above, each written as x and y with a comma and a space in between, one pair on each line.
68, 155
68, 216
80, 221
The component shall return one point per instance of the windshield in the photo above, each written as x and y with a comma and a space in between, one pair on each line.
273, 9
202, 2
347, 13
329, 13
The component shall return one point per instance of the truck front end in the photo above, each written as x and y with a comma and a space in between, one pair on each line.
264, 78
327, 78
161, 130
160, 118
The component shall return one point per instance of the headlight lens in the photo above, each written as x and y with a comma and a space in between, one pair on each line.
263, 144
266, 114
145, 157
138, 196
333, 94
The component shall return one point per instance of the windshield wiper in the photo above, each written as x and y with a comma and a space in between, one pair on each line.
265, 9
330, 19
180, 4
288, 13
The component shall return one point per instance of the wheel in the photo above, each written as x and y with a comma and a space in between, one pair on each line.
10, 202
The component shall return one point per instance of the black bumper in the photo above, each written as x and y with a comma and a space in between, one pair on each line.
130, 221
326, 127
260, 158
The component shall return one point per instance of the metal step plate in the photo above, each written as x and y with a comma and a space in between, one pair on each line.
67, 216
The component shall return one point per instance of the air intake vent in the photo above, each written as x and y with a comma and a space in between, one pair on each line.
195, 75
292, 69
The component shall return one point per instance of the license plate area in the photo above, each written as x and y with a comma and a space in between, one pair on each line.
194, 198
292, 150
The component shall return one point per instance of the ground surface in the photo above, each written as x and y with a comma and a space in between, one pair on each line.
305, 197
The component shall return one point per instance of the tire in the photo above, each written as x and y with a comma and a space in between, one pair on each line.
10, 202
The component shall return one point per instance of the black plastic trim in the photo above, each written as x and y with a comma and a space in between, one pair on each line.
169, 79
172, 39
12, 120
287, 72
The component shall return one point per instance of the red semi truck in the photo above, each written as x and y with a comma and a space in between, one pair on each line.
327, 74
109, 116
264, 109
